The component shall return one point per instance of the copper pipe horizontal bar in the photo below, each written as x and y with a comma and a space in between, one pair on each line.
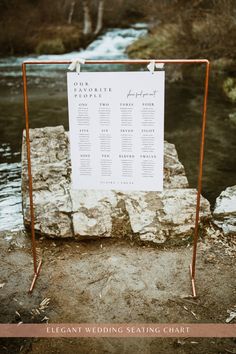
35, 277
126, 61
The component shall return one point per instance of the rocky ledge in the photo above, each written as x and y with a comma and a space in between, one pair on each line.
63, 212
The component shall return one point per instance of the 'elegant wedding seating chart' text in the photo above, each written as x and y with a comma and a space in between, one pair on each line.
116, 123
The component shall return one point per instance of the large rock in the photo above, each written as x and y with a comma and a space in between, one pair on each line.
63, 212
158, 217
224, 215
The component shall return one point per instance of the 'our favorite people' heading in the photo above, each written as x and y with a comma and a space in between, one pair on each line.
82, 89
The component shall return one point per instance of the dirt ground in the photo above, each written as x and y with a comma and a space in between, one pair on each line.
116, 281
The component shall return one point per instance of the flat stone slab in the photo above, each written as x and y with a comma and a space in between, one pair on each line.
63, 212
224, 214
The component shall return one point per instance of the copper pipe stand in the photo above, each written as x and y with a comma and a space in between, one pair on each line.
202, 143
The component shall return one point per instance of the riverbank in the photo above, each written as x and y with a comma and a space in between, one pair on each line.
49, 39
116, 281
167, 40
58, 27
163, 42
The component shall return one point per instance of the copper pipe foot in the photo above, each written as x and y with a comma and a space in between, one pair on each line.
35, 277
192, 283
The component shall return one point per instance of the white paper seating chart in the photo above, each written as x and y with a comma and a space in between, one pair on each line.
116, 122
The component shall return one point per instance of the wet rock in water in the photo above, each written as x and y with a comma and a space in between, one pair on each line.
63, 212
229, 88
224, 215
232, 118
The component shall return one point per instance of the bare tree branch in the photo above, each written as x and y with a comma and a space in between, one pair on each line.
87, 19
99, 17
71, 13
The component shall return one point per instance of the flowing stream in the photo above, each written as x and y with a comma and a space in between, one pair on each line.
48, 107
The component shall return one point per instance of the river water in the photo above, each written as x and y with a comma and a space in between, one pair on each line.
48, 107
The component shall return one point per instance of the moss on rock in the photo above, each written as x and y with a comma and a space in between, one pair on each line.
50, 46
158, 44
61, 39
